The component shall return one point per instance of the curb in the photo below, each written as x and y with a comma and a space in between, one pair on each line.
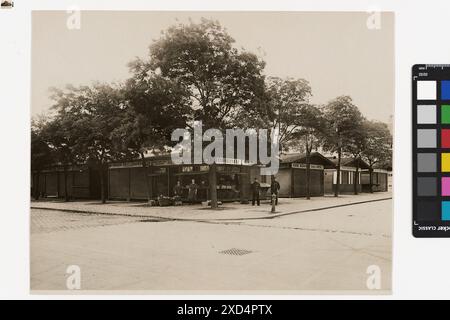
270, 216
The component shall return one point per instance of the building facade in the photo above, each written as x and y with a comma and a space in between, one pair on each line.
352, 169
292, 175
127, 180
132, 180
82, 182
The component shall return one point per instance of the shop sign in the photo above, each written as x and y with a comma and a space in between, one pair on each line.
228, 169
303, 166
187, 169
233, 161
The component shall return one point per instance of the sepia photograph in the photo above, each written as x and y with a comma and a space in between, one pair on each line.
211, 152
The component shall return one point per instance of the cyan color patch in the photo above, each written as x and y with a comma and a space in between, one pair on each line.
445, 211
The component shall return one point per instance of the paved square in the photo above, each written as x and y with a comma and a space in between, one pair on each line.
322, 250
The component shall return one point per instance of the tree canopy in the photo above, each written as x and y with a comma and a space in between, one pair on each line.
287, 102
222, 81
378, 148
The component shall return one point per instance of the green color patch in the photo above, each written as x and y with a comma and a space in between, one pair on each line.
445, 114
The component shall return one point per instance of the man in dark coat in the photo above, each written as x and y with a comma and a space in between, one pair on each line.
192, 193
178, 190
274, 188
255, 191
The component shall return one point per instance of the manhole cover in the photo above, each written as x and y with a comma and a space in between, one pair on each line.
235, 252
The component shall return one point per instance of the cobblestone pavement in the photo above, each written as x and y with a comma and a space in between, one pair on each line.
45, 221
228, 211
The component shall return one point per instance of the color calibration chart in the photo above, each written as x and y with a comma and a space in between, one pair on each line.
431, 150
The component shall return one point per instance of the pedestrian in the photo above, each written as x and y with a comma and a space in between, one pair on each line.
274, 189
202, 194
193, 189
178, 191
255, 191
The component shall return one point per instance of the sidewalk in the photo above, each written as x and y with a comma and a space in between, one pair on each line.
227, 211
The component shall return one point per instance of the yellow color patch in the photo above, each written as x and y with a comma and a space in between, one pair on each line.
445, 162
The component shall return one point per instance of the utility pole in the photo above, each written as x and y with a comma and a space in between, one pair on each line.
273, 199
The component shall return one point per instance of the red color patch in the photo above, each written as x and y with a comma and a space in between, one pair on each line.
445, 138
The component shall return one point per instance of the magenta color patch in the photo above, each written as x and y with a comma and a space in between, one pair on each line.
446, 186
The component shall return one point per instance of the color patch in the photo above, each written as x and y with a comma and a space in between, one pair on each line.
445, 138
445, 186
445, 114
426, 186
445, 162
426, 90
445, 215
426, 162
445, 90
428, 210
426, 138
426, 114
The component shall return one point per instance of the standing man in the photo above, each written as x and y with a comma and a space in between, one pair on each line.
274, 188
255, 191
178, 190
193, 189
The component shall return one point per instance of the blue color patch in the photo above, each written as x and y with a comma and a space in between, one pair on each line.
446, 210
445, 90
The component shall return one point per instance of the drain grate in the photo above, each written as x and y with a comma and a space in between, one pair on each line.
235, 252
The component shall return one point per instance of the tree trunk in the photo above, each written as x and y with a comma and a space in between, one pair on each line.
308, 172
371, 179
213, 185
66, 194
338, 174
102, 185
148, 181
355, 179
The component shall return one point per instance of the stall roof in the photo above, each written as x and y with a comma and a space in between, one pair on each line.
166, 159
316, 158
350, 162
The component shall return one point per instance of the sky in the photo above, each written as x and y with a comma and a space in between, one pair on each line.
336, 52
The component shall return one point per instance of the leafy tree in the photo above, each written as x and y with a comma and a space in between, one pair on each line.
342, 118
378, 147
41, 155
91, 114
287, 103
310, 128
356, 145
56, 134
288, 110
222, 82
155, 107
